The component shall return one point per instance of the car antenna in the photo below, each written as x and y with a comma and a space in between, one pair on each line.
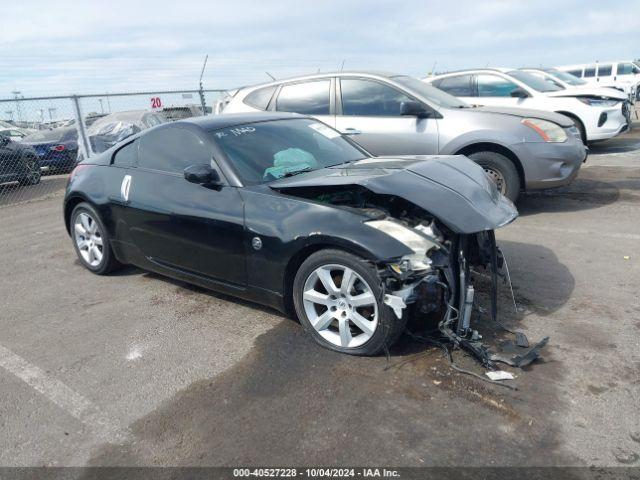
272, 77
433, 69
342, 66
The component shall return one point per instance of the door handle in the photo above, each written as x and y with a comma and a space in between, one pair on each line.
352, 131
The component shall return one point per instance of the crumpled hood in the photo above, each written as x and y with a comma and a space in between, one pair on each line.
587, 91
452, 188
528, 113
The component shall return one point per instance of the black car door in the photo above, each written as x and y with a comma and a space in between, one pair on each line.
181, 225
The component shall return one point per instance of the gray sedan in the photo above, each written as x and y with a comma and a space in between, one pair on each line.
400, 115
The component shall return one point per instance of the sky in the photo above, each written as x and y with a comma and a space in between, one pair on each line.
62, 47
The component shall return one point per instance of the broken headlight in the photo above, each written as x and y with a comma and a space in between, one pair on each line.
419, 244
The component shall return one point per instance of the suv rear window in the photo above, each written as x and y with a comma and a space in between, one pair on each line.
260, 98
459, 86
309, 98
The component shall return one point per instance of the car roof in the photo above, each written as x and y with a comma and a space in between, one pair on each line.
596, 62
366, 73
472, 70
215, 122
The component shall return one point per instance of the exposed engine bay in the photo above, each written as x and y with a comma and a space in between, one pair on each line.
436, 280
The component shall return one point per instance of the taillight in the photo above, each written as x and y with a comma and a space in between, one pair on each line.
58, 148
77, 170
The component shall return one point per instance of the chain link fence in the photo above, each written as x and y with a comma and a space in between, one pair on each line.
43, 138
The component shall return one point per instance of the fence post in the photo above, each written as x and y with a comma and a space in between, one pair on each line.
84, 146
202, 100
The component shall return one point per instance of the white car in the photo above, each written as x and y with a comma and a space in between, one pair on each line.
623, 75
567, 81
596, 118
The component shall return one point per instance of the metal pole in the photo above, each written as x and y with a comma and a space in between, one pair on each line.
201, 90
84, 146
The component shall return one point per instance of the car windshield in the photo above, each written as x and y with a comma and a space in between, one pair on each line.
266, 151
566, 77
534, 82
431, 93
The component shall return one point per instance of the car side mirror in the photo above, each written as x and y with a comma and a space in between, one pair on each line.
519, 92
202, 174
414, 109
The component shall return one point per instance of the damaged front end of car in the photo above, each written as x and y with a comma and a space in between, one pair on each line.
445, 211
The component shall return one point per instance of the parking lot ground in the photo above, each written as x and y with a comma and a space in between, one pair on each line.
135, 369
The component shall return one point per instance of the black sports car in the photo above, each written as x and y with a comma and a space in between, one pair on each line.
282, 210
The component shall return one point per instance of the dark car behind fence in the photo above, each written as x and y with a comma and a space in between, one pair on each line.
43, 138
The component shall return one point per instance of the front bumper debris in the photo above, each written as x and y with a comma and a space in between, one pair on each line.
449, 282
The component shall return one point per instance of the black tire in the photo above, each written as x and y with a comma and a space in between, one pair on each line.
32, 168
580, 126
108, 263
389, 326
495, 163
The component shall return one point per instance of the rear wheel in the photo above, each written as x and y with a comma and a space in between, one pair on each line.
91, 240
32, 171
501, 170
338, 299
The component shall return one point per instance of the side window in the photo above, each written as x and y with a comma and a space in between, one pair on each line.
370, 99
604, 70
494, 86
172, 150
459, 86
127, 155
310, 98
625, 69
575, 73
260, 98
590, 71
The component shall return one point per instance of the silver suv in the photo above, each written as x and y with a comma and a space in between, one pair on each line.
400, 115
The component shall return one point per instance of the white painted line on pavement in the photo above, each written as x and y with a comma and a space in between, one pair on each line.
576, 231
63, 396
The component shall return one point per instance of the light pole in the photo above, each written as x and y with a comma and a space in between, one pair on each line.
16, 96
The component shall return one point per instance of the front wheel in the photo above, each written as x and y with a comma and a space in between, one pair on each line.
338, 299
501, 170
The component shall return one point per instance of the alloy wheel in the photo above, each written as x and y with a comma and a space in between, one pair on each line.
88, 238
340, 305
33, 171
